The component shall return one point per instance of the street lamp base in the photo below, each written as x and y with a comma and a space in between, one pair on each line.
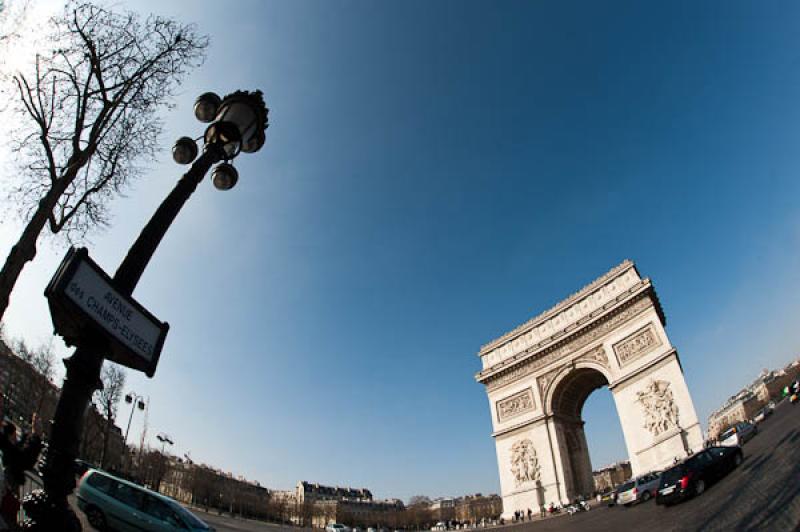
45, 515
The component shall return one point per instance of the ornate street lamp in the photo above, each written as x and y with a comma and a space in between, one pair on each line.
184, 151
236, 124
206, 106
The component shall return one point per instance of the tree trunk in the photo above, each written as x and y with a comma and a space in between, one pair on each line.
24, 250
106, 434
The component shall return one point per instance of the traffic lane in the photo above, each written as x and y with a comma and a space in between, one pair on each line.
224, 523
762, 494
751, 497
220, 523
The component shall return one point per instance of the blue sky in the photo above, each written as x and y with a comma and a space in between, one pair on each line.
436, 173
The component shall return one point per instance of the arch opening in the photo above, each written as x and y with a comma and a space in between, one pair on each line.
567, 404
572, 391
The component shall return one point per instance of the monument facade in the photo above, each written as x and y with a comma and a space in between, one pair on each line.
539, 375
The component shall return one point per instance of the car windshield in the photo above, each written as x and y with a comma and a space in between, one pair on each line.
671, 475
627, 486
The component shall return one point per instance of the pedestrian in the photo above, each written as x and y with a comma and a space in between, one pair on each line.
9, 499
8, 436
530, 514
18, 457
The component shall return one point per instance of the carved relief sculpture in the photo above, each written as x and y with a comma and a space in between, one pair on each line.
596, 354
530, 365
660, 410
524, 463
545, 381
515, 405
637, 344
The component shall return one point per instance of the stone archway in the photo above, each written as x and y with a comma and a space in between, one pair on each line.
539, 375
566, 399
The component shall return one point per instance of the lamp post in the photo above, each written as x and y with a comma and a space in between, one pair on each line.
134, 400
164, 439
236, 124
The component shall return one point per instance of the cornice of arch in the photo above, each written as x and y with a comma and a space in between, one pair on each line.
539, 356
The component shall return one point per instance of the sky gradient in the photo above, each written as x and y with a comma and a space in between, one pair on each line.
436, 173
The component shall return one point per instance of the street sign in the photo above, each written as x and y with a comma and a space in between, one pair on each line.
86, 307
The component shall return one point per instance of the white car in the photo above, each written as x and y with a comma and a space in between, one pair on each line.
640, 489
337, 527
738, 434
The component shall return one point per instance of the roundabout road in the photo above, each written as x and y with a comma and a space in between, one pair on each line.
762, 494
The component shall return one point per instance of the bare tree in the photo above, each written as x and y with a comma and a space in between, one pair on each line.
419, 500
42, 358
92, 436
108, 398
34, 389
88, 110
12, 15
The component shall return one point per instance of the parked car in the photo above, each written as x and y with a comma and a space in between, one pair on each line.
738, 434
337, 527
691, 476
639, 489
113, 503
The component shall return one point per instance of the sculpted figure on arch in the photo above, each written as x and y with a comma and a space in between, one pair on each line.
524, 463
660, 410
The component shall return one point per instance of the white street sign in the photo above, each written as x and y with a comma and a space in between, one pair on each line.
99, 300
88, 310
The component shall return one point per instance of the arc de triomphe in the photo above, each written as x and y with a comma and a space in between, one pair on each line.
539, 375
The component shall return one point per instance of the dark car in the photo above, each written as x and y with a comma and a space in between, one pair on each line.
693, 475
609, 498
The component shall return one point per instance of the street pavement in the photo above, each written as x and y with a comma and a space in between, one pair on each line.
227, 524
762, 494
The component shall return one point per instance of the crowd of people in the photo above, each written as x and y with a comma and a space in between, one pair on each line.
20, 453
520, 515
